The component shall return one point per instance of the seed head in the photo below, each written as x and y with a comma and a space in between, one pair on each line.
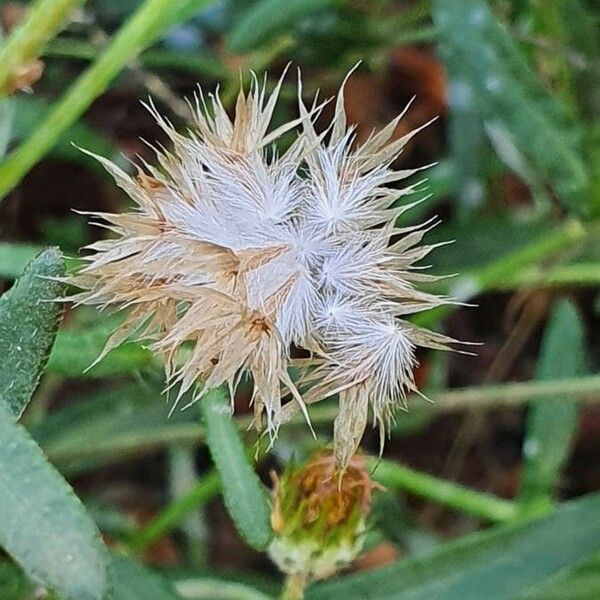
238, 253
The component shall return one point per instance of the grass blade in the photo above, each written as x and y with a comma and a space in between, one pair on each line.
112, 425
174, 514
396, 476
244, 497
29, 321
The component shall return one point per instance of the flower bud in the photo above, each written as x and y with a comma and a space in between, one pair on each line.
319, 516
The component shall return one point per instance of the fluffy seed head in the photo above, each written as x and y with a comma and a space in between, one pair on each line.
233, 253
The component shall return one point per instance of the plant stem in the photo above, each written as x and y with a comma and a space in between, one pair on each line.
145, 25
583, 274
503, 272
202, 493
568, 235
396, 476
586, 388
44, 20
130, 443
510, 394
294, 586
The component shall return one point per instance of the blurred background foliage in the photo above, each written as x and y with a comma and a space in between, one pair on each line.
506, 457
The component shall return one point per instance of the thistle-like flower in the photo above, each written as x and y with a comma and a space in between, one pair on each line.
236, 254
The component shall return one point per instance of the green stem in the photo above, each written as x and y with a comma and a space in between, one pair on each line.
174, 514
145, 25
294, 586
130, 443
487, 397
502, 272
478, 504
509, 394
549, 244
583, 274
416, 36
44, 20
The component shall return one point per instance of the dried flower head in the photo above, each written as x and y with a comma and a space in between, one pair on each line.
237, 253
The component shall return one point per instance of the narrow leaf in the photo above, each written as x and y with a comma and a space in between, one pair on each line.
551, 424
175, 514
43, 525
267, 17
13, 583
29, 319
495, 565
244, 497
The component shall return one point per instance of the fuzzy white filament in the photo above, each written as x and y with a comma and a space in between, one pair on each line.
239, 253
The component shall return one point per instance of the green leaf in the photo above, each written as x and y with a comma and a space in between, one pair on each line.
131, 581
489, 77
495, 565
14, 257
267, 17
29, 319
552, 423
43, 525
244, 497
